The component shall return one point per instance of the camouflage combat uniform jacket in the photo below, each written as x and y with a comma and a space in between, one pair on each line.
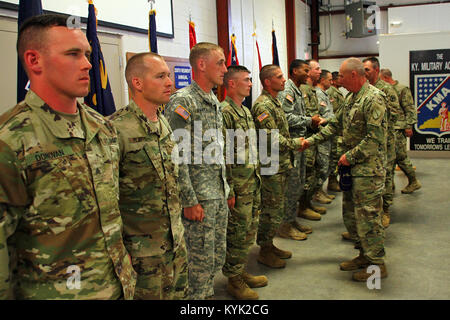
243, 174
198, 112
268, 115
408, 113
337, 99
149, 196
69, 217
364, 123
294, 107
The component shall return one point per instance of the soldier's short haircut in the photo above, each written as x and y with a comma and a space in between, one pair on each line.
386, 73
335, 75
267, 72
375, 62
31, 33
136, 67
231, 73
324, 74
201, 50
354, 64
296, 64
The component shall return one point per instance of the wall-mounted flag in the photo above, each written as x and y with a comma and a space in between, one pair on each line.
275, 59
153, 42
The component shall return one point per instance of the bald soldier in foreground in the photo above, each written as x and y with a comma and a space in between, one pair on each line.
60, 224
194, 113
149, 195
364, 122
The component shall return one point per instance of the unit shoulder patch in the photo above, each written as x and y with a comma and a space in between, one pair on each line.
290, 98
262, 116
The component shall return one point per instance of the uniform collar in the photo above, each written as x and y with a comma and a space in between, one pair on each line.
207, 96
239, 110
361, 91
275, 100
59, 126
291, 84
147, 125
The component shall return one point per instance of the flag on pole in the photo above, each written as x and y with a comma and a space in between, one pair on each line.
232, 59
256, 67
275, 59
192, 35
100, 96
153, 43
27, 9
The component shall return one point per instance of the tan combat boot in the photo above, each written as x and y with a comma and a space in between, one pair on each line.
354, 264
282, 254
363, 275
288, 231
326, 195
318, 209
240, 290
254, 281
320, 198
303, 228
385, 218
268, 258
346, 236
412, 186
309, 214
333, 184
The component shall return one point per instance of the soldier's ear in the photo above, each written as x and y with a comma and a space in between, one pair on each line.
33, 61
137, 84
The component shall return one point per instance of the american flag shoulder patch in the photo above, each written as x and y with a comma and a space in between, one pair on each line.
182, 112
262, 116
290, 98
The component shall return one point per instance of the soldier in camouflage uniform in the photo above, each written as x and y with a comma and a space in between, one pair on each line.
194, 113
60, 224
149, 196
337, 100
269, 116
363, 120
307, 210
372, 68
403, 128
324, 149
293, 106
245, 185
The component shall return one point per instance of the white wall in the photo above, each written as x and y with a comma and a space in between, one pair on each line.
303, 33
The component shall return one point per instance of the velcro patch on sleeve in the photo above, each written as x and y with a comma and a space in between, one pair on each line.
290, 98
182, 112
262, 116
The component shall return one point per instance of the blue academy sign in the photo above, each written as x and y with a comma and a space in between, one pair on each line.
432, 93
182, 76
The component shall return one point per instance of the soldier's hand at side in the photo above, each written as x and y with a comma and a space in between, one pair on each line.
409, 133
315, 121
343, 161
231, 202
323, 121
195, 213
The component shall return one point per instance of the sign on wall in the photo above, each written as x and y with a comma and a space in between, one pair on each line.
430, 86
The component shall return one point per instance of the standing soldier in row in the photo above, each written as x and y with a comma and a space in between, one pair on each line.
194, 113
403, 129
245, 184
372, 69
307, 210
60, 224
363, 120
324, 149
337, 100
149, 196
294, 108
269, 116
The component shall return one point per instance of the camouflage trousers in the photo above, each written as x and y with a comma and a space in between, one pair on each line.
361, 210
241, 232
336, 152
206, 247
323, 162
273, 193
311, 173
162, 277
295, 186
402, 158
388, 196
